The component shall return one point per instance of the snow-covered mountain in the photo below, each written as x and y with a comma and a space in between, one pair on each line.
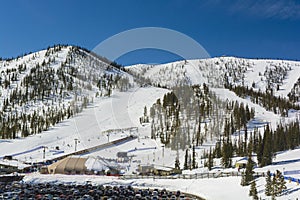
65, 99
41, 89
44, 88
261, 78
260, 74
50, 98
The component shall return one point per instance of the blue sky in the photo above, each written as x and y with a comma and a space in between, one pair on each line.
243, 28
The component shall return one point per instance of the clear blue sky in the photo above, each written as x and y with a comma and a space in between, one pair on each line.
243, 28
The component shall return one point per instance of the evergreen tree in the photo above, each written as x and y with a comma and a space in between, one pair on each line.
267, 148
217, 150
249, 171
243, 182
282, 183
259, 149
186, 158
253, 191
278, 183
210, 161
247, 176
177, 164
268, 186
194, 164
227, 153
273, 190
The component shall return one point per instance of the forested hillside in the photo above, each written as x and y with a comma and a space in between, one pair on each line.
192, 114
42, 89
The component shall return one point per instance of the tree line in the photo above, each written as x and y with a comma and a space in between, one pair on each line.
278, 105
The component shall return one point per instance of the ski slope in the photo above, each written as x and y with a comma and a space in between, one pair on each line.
121, 111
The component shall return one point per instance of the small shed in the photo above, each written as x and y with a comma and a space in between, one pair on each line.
163, 171
157, 170
123, 156
145, 169
7, 157
241, 164
10, 166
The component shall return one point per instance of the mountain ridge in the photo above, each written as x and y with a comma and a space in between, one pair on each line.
225, 70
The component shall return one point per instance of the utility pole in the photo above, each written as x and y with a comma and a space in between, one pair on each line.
44, 152
163, 154
139, 137
76, 141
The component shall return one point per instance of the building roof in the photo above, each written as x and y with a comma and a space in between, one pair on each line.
13, 163
243, 161
162, 168
81, 164
68, 164
96, 164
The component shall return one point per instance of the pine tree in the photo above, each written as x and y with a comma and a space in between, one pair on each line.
249, 171
273, 188
217, 150
210, 161
268, 186
259, 149
282, 183
177, 164
194, 164
227, 151
247, 113
186, 158
253, 191
243, 182
278, 183
247, 176
267, 148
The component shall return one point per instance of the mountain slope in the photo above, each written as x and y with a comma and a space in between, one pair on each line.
65, 99
259, 74
46, 87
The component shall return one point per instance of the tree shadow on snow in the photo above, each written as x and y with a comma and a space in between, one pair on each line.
290, 191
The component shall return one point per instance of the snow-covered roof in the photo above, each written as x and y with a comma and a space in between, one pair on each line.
14, 163
163, 168
243, 161
95, 164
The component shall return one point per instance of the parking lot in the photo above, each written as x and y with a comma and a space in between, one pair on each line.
60, 191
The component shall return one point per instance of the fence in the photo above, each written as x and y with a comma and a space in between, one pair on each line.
192, 176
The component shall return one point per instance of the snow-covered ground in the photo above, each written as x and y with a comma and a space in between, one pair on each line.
121, 111
213, 70
261, 114
210, 189
110, 118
